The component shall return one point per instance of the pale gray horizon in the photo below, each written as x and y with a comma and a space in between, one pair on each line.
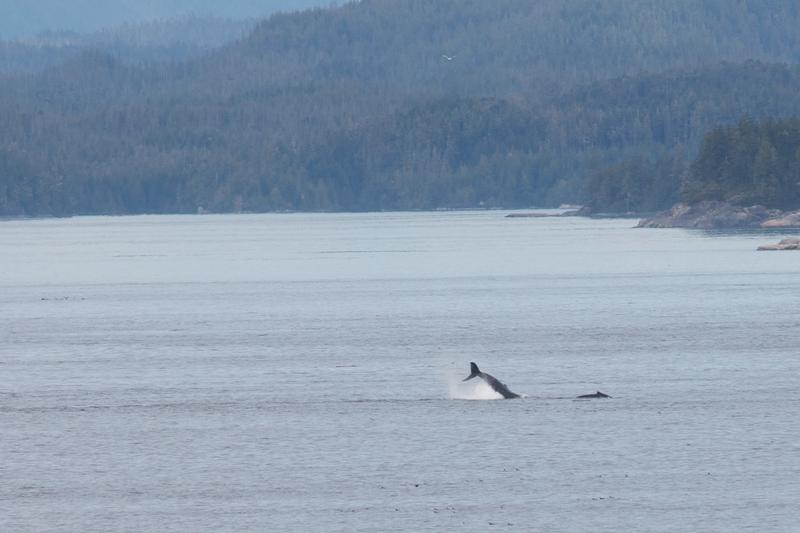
32, 17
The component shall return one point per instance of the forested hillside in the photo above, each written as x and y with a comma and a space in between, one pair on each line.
389, 104
749, 163
509, 46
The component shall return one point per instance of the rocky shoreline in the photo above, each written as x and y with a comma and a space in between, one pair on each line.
785, 244
721, 215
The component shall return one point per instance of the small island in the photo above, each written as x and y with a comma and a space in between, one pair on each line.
744, 176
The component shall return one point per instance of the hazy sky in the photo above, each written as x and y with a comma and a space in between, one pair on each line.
20, 18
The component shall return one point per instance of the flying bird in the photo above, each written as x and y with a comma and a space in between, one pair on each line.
447, 57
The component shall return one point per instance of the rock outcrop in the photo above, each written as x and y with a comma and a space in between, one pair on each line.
786, 220
785, 244
711, 215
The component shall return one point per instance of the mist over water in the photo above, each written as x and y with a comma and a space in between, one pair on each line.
295, 373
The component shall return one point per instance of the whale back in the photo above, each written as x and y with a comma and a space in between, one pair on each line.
498, 386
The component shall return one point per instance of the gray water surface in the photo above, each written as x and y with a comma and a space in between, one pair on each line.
292, 373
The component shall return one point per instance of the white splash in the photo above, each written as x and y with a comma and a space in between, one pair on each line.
474, 389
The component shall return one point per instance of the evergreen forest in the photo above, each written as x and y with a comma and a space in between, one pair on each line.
412, 104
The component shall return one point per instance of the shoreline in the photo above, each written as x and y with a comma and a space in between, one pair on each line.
712, 214
288, 212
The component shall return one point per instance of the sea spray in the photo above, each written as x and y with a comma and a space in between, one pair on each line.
476, 389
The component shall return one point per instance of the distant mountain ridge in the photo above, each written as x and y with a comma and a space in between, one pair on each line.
519, 46
20, 19
174, 40
359, 107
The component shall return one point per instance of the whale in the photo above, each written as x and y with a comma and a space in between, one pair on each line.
597, 394
492, 381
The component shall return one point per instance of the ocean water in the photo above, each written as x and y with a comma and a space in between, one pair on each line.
296, 372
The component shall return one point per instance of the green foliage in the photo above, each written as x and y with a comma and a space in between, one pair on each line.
749, 163
637, 185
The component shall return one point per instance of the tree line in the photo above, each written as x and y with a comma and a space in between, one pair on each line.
748, 163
